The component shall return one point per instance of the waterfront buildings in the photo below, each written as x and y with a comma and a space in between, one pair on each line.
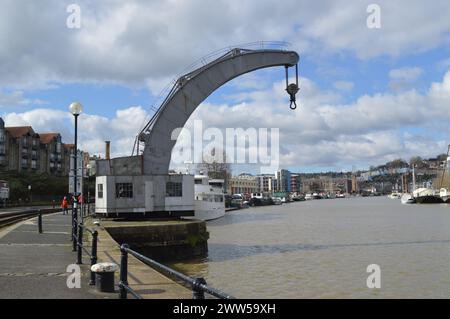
243, 184
282, 181
24, 150
283, 177
265, 183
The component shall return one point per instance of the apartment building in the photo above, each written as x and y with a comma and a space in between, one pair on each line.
24, 150
283, 181
243, 184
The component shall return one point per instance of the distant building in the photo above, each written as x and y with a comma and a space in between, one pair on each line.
355, 188
243, 184
51, 154
296, 183
265, 183
24, 150
283, 181
22, 147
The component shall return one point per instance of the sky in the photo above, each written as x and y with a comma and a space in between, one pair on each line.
367, 95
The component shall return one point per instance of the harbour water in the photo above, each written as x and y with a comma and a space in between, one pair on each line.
321, 249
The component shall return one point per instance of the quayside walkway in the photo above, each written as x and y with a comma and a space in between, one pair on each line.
33, 265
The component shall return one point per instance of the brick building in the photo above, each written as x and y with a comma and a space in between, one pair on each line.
24, 150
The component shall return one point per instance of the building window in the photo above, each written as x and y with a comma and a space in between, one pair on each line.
100, 190
174, 189
124, 190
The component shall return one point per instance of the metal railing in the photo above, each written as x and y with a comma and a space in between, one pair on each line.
198, 285
78, 240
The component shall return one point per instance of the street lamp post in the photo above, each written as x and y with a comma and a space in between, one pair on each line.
75, 108
88, 168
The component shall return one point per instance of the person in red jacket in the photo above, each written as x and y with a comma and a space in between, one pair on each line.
65, 205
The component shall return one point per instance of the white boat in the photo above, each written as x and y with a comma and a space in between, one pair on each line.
444, 193
408, 199
427, 196
395, 195
209, 198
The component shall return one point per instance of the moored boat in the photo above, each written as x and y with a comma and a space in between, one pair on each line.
426, 196
444, 193
209, 198
408, 199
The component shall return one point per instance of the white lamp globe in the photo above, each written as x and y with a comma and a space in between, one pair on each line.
76, 108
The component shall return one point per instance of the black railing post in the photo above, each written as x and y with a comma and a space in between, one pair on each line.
74, 241
123, 271
93, 256
80, 244
198, 293
39, 222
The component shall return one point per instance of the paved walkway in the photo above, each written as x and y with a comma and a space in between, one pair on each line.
34, 265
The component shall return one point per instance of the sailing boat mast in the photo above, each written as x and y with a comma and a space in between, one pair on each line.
445, 166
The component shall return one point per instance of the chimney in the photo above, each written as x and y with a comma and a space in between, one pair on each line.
107, 150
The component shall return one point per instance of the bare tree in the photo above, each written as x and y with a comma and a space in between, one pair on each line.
216, 166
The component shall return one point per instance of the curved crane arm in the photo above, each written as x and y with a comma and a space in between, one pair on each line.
191, 90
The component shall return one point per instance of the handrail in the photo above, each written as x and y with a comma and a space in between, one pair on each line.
198, 285
78, 239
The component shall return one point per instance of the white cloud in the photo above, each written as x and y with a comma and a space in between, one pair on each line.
16, 99
403, 79
323, 133
343, 85
144, 42
320, 133
406, 74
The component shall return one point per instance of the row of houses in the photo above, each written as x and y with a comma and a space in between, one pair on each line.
282, 181
24, 150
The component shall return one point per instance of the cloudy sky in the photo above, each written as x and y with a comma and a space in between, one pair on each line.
367, 95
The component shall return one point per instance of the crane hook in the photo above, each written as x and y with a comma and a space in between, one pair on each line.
292, 89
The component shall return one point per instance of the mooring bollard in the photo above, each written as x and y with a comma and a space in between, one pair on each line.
198, 293
104, 276
123, 271
39, 222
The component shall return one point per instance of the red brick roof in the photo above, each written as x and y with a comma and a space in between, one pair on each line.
69, 146
46, 138
19, 131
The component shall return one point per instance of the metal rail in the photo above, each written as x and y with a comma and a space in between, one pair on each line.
198, 285
8, 219
80, 247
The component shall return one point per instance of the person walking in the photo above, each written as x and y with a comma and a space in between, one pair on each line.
65, 205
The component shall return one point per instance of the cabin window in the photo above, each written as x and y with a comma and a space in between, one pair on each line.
174, 189
124, 190
100, 190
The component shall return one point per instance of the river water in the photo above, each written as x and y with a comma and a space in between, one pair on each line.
321, 249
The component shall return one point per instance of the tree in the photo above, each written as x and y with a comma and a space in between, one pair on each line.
416, 161
216, 167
